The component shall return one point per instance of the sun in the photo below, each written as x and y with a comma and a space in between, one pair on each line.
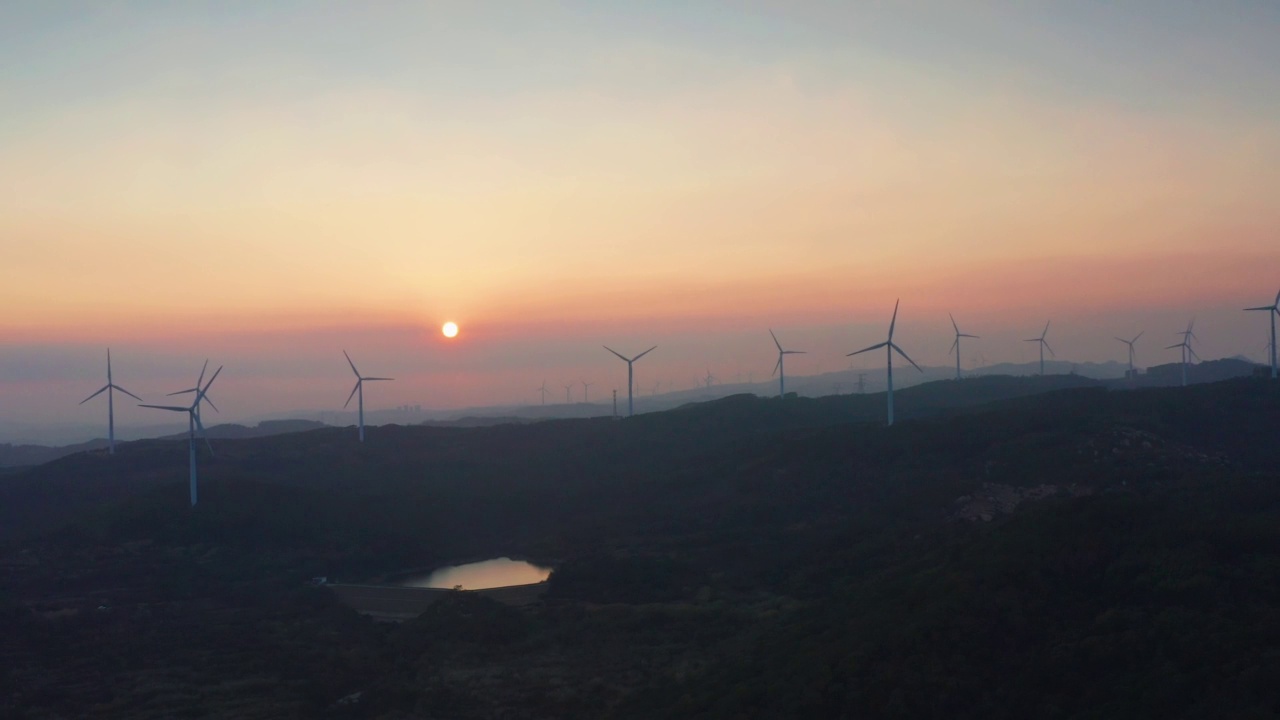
450, 329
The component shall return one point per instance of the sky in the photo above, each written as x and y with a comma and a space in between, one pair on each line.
268, 183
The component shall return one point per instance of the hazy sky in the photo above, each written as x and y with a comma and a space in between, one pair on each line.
267, 183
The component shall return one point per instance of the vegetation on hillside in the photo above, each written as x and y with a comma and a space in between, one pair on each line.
1017, 547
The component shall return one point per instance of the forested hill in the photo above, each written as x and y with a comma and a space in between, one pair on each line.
1007, 549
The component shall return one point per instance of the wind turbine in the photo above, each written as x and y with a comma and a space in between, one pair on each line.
889, 348
1272, 310
359, 389
781, 372
543, 389
1187, 351
710, 378
193, 422
203, 398
111, 409
631, 410
1132, 377
955, 346
1043, 344
567, 390
586, 391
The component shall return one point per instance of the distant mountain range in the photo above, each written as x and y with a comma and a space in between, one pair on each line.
27, 455
843, 382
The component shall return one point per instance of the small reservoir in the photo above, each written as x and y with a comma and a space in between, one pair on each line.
496, 573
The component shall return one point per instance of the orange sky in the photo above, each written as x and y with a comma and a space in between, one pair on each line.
632, 176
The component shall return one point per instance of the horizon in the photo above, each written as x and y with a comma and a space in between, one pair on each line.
555, 179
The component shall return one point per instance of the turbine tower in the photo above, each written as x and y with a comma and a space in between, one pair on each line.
889, 348
955, 346
631, 408
1187, 351
204, 398
1272, 310
193, 422
359, 389
1043, 344
779, 369
111, 409
1132, 377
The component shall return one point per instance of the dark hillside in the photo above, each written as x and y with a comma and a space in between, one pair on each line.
1015, 547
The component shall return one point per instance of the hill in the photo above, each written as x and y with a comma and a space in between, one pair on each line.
27, 455
1016, 547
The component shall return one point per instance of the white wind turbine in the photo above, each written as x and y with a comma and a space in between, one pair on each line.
111, 409
543, 389
203, 398
1187, 351
779, 369
955, 346
359, 389
1272, 310
193, 422
1132, 377
586, 391
889, 347
567, 396
631, 408
1043, 345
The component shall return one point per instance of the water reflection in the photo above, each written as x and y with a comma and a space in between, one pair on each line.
500, 572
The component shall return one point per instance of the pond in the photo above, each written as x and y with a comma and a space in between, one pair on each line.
499, 572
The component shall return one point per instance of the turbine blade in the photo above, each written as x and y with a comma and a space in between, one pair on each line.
903, 354
646, 352
615, 352
1174, 346
126, 392
1192, 353
894, 321
1135, 337
795, 352
1269, 307
205, 398
954, 344
953, 323
183, 392
1126, 342
353, 365
375, 378
775, 367
969, 336
202, 369
167, 407
775, 340
353, 394
104, 389
1046, 347
1046, 329
210, 383
877, 346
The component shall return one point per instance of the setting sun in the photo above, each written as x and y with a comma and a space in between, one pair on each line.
450, 329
